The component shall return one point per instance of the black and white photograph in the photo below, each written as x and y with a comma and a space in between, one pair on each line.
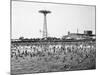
52, 37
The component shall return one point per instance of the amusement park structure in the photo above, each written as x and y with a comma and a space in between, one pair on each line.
45, 32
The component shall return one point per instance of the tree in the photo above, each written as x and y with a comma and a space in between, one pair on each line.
21, 38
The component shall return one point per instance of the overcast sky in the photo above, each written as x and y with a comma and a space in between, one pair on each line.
27, 21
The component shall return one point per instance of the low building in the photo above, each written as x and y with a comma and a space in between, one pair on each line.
85, 35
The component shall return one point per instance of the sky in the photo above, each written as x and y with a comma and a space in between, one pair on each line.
28, 22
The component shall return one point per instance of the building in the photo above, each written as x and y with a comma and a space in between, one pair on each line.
85, 35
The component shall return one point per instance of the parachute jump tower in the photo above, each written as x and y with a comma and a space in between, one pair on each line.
45, 12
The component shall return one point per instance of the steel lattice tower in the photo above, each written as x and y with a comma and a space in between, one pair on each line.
45, 33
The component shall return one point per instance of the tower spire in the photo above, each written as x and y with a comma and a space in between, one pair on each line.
77, 30
45, 33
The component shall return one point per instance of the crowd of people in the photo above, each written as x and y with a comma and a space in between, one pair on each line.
22, 51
